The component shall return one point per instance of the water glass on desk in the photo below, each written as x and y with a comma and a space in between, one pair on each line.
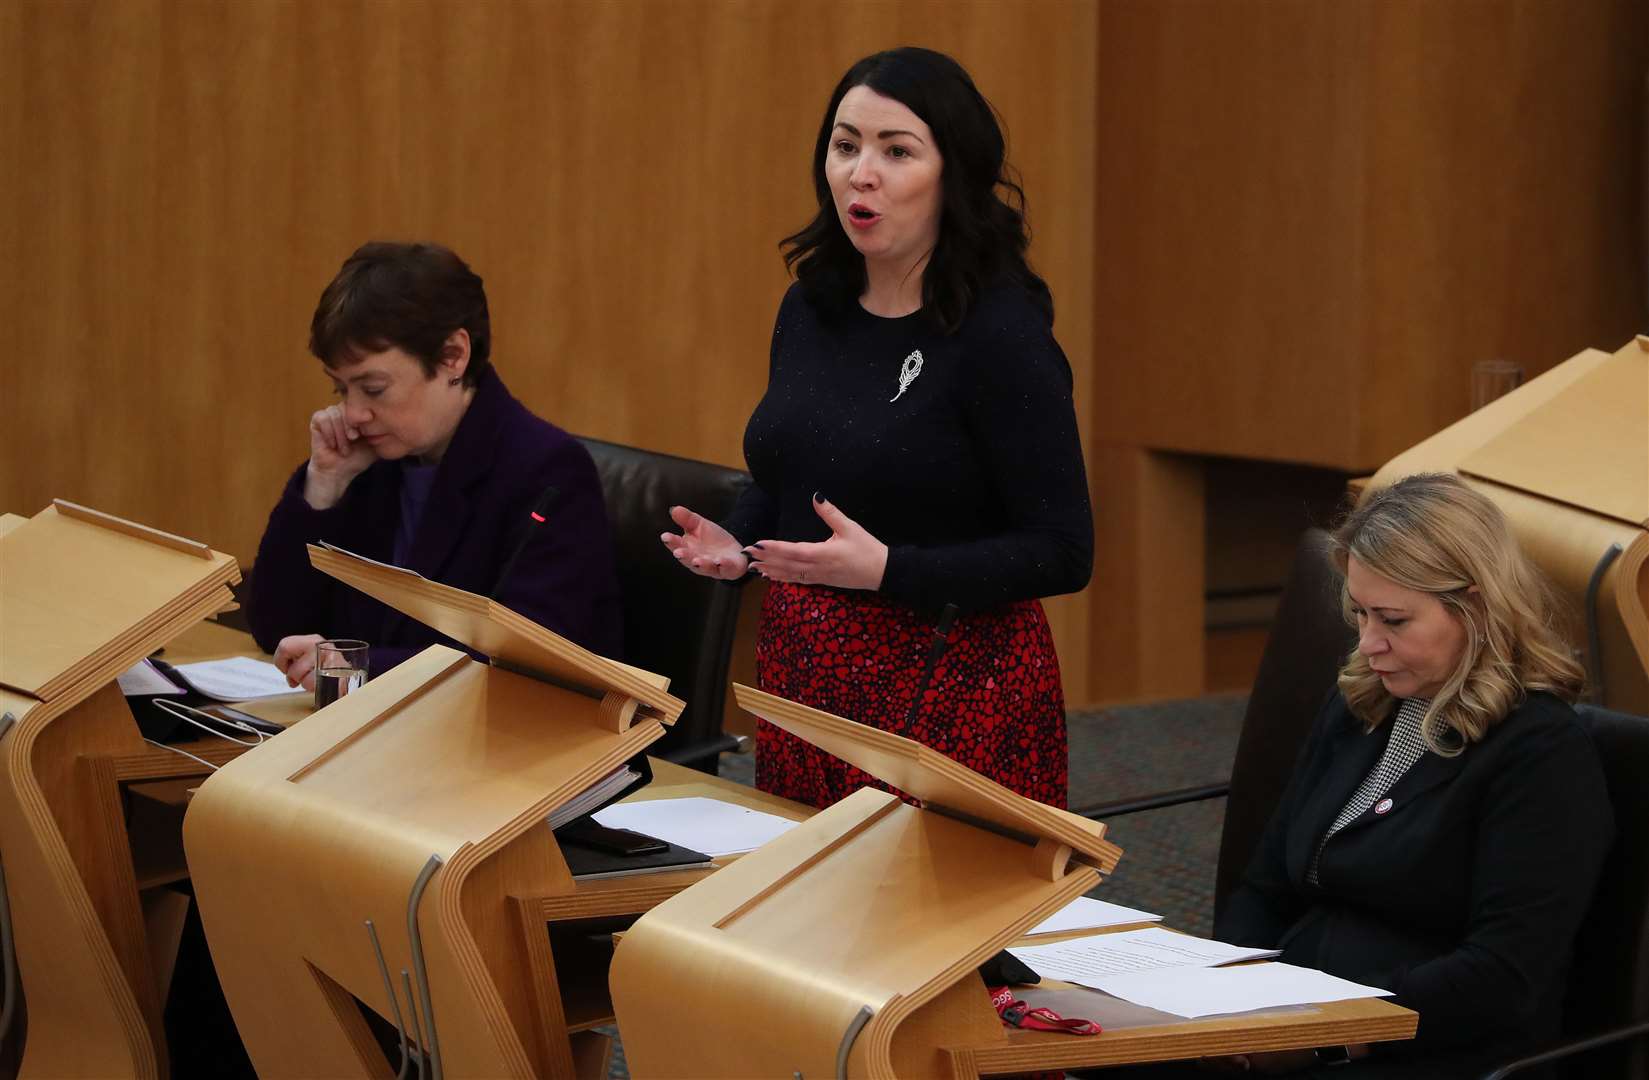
340, 667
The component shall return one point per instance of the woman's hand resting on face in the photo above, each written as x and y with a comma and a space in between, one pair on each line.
337, 455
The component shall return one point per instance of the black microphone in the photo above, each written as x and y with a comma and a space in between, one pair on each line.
539, 514
941, 631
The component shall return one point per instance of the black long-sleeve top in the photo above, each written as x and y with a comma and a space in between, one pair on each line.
973, 476
1460, 891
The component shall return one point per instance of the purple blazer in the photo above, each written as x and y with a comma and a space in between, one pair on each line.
501, 459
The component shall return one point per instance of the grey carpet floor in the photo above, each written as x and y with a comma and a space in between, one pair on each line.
1168, 855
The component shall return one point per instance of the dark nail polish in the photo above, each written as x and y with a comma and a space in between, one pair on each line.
818, 498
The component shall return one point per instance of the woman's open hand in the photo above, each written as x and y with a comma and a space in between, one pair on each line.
850, 559
704, 547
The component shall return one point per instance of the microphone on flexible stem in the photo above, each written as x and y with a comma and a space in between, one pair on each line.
539, 514
941, 631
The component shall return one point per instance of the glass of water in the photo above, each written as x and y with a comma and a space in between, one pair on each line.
340, 667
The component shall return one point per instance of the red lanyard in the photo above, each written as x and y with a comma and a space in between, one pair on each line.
1017, 1014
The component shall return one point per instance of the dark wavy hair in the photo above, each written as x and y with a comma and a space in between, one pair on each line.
983, 234
410, 296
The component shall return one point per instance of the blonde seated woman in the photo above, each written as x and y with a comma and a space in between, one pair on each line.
1446, 822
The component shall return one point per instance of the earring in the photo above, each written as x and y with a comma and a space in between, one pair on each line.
455, 382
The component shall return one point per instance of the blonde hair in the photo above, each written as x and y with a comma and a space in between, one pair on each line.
1434, 534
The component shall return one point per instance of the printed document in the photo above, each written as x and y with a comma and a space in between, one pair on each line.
1194, 992
1086, 913
1085, 960
143, 679
239, 678
708, 825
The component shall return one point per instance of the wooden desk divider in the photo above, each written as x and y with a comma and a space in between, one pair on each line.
848, 946
390, 850
83, 597
1566, 458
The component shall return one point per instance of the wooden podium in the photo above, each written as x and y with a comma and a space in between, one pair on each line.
391, 851
83, 597
848, 946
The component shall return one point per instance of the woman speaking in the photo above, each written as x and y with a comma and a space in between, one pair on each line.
916, 449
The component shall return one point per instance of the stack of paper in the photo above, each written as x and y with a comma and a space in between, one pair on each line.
1195, 992
593, 796
239, 678
1083, 960
1183, 975
1086, 913
708, 825
143, 679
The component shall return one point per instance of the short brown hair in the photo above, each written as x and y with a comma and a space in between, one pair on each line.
406, 296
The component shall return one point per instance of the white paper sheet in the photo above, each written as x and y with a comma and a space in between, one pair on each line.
1083, 960
708, 825
1194, 992
1086, 913
372, 562
143, 680
239, 678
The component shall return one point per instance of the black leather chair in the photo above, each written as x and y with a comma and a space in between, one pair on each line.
1309, 641
675, 622
1606, 1010
1302, 657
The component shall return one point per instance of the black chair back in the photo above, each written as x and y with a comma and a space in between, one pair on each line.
675, 623
1309, 640
1609, 982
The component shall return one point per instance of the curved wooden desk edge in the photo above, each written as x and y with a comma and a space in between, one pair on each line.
83, 956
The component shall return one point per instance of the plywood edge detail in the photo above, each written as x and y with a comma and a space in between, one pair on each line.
132, 528
466, 953
880, 1031
1631, 589
66, 887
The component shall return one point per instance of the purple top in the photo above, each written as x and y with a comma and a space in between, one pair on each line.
416, 480
500, 461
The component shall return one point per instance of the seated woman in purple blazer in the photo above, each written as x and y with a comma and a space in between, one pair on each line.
427, 462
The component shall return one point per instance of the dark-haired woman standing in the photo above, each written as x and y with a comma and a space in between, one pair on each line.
428, 462
916, 448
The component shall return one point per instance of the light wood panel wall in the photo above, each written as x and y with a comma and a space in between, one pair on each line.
182, 178
1312, 220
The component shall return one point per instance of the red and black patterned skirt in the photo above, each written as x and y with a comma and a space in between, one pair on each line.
996, 704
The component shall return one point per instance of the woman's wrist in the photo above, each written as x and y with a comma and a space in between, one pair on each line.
321, 490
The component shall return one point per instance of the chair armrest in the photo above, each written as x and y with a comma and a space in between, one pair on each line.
1156, 801
1569, 1049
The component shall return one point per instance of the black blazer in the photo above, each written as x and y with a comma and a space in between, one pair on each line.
1463, 897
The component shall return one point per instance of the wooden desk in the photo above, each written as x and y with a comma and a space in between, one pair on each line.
1328, 1024
129, 797
570, 995
86, 595
446, 756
